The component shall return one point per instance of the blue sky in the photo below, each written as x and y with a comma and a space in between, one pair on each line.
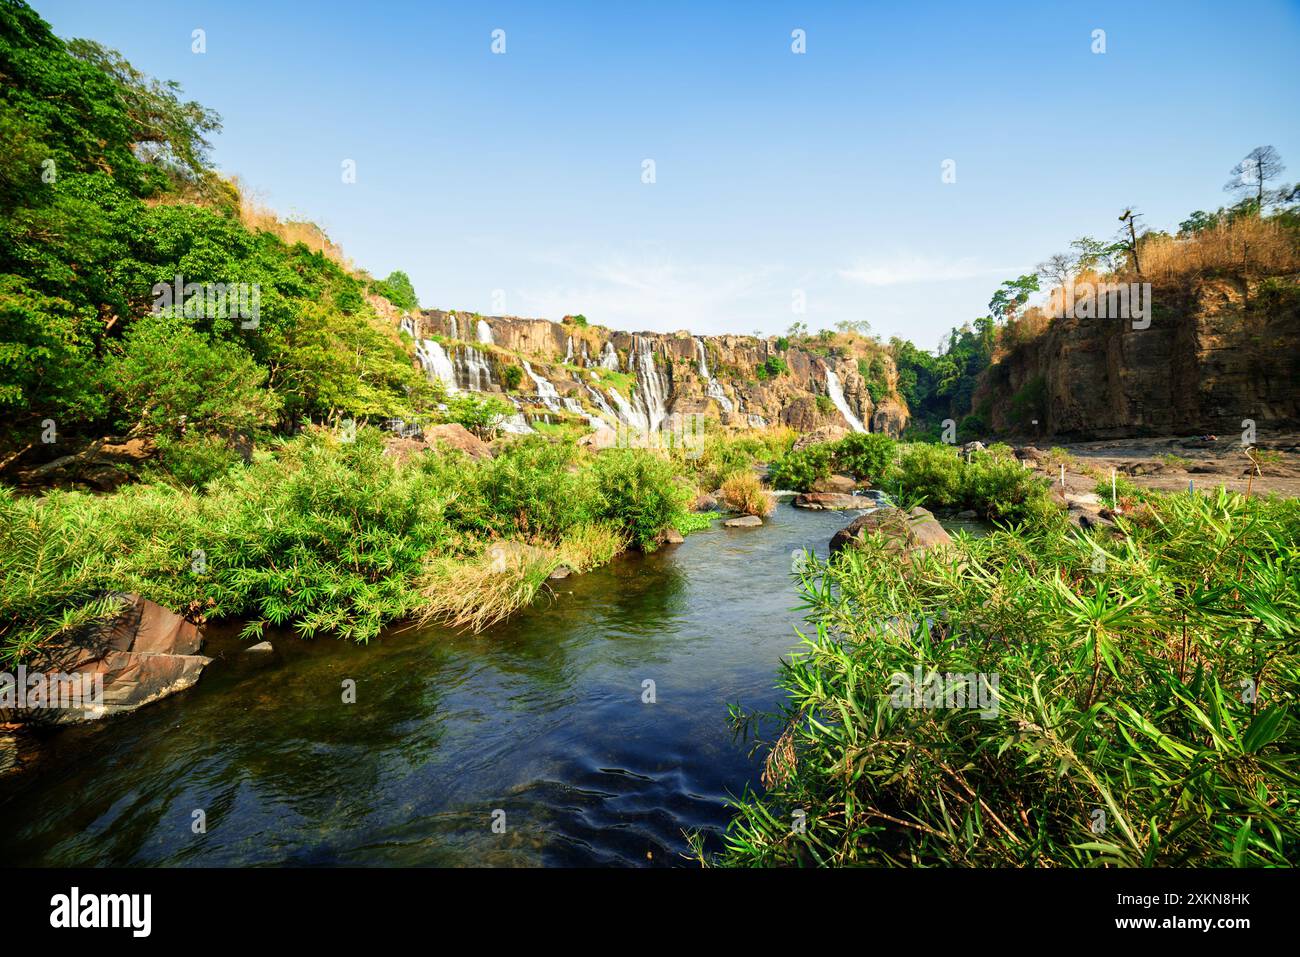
513, 182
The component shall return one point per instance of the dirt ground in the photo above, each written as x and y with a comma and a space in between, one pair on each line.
1169, 464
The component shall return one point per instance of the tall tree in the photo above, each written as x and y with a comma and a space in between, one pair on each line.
1249, 176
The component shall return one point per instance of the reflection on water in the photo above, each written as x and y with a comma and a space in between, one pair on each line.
541, 717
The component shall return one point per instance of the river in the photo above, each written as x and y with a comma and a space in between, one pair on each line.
541, 718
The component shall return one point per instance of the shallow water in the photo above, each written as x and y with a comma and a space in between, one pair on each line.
541, 718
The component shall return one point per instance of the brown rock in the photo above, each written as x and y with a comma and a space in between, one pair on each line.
910, 532
829, 501
456, 436
672, 536
745, 521
835, 483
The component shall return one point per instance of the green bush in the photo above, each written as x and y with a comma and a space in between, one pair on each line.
195, 458
798, 471
511, 376
865, 456
1142, 713
640, 493
481, 413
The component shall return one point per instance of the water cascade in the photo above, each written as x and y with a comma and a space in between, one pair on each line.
837, 396
652, 385
712, 387
484, 332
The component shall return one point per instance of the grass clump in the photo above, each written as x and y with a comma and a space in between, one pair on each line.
743, 493
1143, 715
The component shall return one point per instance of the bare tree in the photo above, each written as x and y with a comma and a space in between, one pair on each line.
1249, 176
1131, 216
1058, 269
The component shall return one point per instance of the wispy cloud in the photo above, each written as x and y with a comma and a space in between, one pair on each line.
916, 269
651, 291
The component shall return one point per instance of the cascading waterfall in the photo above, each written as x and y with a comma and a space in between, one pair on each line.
455, 332
626, 413
609, 357
568, 351
837, 396
652, 386
434, 359
599, 401
712, 387
545, 390
484, 332
473, 373
585, 357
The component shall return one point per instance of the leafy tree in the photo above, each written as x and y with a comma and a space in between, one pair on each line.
398, 290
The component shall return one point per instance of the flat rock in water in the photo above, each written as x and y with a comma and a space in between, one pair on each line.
672, 536
835, 483
744, 521
261, 648
831, 501
562, 571
914, 531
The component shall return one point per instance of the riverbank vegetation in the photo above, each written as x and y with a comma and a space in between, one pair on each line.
330, 534
1146, 685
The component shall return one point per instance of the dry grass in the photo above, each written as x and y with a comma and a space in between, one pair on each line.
1247, 246
743, 492
476, 594
258, 217
590, 546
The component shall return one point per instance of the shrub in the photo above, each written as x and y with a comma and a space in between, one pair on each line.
798, 471
865, 456
743, 492
639, 493
196, 459
1118, 700
481, 414
511, 376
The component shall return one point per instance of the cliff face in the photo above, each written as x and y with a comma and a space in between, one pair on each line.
1217, 352
641, 379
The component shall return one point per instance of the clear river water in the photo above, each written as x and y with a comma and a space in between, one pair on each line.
541, 718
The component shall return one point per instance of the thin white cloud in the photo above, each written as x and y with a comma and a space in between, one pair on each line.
916, 269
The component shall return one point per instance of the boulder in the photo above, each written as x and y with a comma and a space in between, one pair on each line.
143, 653
830, 501
744, 521
261, 648
909, 532
561, 571
835, 483
456, 436
672, 536
704, 503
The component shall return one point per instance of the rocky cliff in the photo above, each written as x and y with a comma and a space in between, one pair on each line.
1217, 352
570, 369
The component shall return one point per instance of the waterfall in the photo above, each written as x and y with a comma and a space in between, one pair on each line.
545, 391
436, 364
609, 357
484, 333
599, 401
756, 421
712, 387
455, 333
407, 326
585, 358
568, 351
651, 384
837, 396
473, 373
627, 414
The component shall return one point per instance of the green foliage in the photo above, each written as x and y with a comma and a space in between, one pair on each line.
1152, 679
511, 376
579, 320
398, 290
481, 413
799, 470
196, 459
782, 343
771, 367
993, 483
640, 493
170, 377
866, 456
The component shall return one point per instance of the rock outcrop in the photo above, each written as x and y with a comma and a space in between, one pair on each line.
910, 532
567, 369
1216, 352
140, 655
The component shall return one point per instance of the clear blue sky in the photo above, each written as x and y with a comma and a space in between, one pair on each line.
775, 171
